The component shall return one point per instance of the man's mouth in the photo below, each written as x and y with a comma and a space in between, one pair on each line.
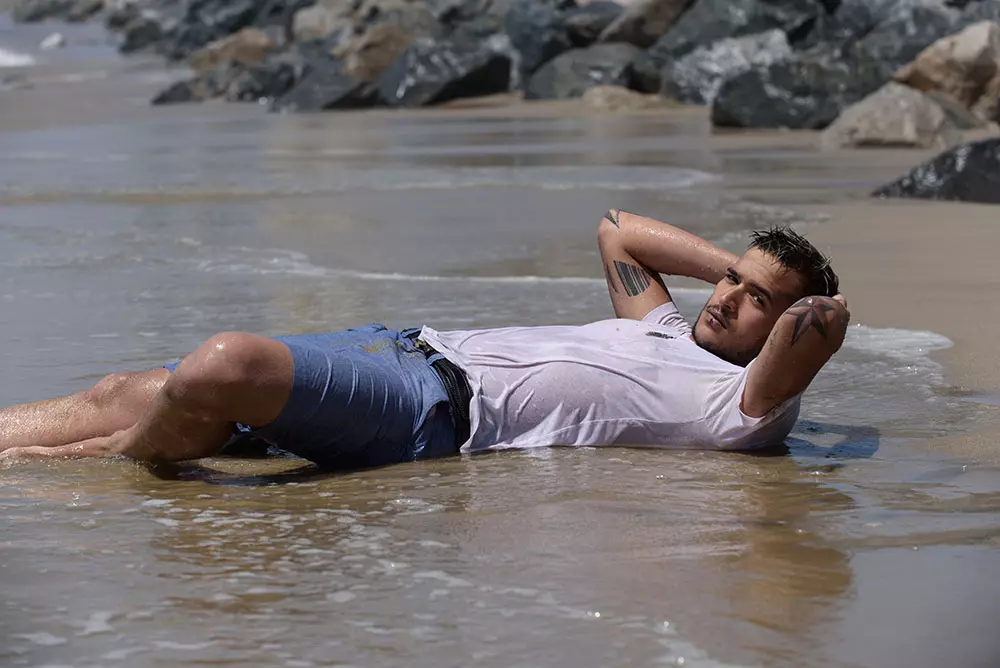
715, 318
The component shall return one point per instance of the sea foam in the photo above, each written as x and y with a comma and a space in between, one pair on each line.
15, 59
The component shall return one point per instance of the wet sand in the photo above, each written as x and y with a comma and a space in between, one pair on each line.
929, 265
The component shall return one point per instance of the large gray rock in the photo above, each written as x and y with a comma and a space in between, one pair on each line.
573, 72
894, 115
206, 86
697, 76
324, 86
431, 72
969, 173
265, 81
644, 21
805, 92
538, 32
708, 21
30, 11
904, 34
585, 23
83, 10
143, 32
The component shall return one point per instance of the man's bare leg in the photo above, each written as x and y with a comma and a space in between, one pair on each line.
233, 377
115, 403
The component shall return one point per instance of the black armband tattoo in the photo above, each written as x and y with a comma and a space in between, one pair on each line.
634, 279
810, 313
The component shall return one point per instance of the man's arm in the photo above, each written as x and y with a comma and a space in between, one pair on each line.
804, 338
636, 250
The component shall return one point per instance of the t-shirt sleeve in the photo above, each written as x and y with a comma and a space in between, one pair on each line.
729, 428
667, 315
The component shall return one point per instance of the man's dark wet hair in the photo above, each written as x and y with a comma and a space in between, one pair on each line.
794, 252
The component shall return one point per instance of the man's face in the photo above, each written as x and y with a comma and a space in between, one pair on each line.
746, 303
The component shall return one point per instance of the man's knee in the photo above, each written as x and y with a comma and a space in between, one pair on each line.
229, 365
125, 389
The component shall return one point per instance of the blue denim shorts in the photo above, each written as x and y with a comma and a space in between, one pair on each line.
361, 397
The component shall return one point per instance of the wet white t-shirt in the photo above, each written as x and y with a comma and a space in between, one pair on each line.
614, 382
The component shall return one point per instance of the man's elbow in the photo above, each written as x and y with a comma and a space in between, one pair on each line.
609, 230
816, 320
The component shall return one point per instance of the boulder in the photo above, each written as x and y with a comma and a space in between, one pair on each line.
194, 24
318, 21
805, 92
585, 23
644, 21
141, 33
83, 10
413, 16
207, 85
366, 56
620, 99
478, 28
908, 30
120, 15
31, 11
246, 47
894, 115
264, 82
431, 72
573, 72
708, 21
324, 86
538, 32
178, 92
277, 74
963, 65
981, 10
969, 173
697, 76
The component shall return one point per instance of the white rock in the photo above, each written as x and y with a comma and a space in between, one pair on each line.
54, 41
894, 115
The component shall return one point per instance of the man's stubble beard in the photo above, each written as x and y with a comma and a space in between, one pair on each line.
739, 359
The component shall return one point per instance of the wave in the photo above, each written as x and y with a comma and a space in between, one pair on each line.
15, 59
336, 179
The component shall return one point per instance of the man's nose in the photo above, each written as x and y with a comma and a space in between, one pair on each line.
730, 298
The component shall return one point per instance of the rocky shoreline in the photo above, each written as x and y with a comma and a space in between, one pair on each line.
867, 72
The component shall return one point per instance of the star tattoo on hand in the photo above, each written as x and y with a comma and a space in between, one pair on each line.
810, 313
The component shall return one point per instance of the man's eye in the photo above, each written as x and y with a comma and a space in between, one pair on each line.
758, 299
732, 278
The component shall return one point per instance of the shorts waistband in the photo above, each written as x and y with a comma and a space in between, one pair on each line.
455, 382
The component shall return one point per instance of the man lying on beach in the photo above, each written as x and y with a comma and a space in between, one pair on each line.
373, 396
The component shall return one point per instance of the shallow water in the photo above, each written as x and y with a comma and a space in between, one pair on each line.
129, 234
